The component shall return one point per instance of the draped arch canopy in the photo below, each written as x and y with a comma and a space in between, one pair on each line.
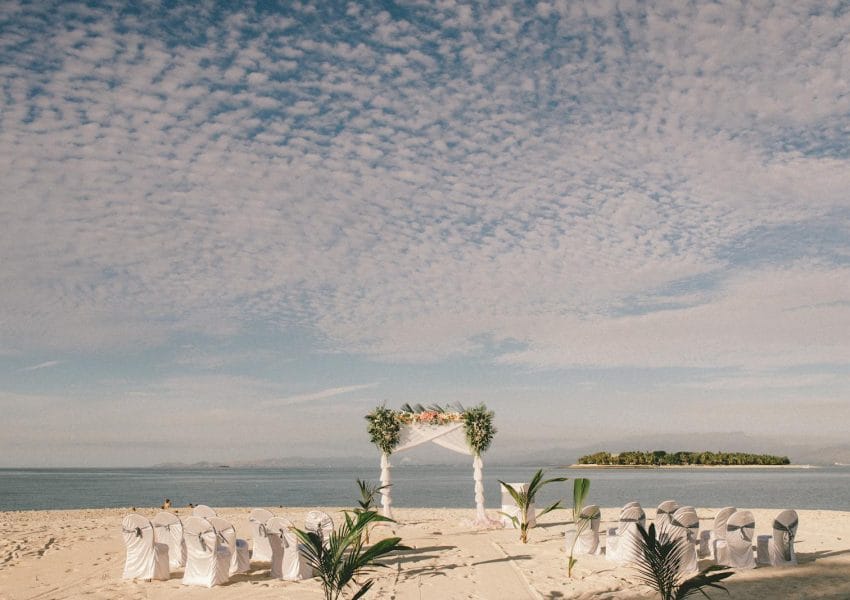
466, 431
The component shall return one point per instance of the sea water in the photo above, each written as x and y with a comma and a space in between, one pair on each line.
418, 486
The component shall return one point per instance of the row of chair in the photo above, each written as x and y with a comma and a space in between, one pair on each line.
207, 548
729, 542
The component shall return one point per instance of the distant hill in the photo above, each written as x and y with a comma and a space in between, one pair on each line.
562, 452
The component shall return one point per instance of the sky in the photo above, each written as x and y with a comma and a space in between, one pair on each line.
230, 230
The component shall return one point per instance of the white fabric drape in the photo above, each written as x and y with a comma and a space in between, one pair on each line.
451, 436
288, 559
386, 483
207, 561
168, 529
146, 558
240, 558
262, 551
736, 550
781, 547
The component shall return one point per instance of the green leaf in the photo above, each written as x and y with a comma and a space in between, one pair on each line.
550, 508
581, 488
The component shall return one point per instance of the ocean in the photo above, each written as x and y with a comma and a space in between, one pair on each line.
418, 486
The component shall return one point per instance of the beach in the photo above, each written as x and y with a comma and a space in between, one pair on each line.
79, 553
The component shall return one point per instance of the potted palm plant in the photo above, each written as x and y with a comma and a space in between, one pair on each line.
524, 499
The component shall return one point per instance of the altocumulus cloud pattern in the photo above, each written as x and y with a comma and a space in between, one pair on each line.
549, 184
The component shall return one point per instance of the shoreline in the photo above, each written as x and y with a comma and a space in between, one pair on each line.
595, 466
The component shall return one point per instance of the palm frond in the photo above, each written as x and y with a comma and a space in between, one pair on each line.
519, 496
708, 577
581, 488
343, 555
660, 565
550, 508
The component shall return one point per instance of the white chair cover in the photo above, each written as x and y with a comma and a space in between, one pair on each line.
718, 532
146, 559
168, 530
207, 561
319, 523
684, 526
262, 551
624, 547
737, 551
510, 508
664, 514
240, 558
588, 538
288, 561
203, 511
782, 544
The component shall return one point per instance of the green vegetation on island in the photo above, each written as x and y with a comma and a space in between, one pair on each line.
662, 457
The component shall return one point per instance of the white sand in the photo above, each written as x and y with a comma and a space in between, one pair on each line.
80, 554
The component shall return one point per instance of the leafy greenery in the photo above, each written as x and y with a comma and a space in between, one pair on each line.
581, 488
525, 498
479, 428
419, 408
660, 560
368, 491
345, 555
385, 424
662, 457
384, 428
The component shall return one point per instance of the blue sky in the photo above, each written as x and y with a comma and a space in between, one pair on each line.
229, 230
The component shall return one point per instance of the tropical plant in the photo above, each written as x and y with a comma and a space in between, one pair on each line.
524, 499
368, 491
479, 428
581, 487
659, 563
384, 429
662, 457
344, 555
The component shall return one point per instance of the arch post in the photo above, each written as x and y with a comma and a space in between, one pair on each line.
386, 490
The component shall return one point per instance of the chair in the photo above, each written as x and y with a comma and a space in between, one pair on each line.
664, 514
510, 509
262, 551
288, 561
624, 545
168, 530
718, 532
319, 523
146, 558
207, 561
204, 511
588, 537
240, 559
736, 550
781, 547
684, 527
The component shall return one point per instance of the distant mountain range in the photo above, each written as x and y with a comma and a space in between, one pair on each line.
565, 454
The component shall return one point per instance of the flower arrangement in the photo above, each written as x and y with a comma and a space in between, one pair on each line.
384, 428
480, 431
429, 417
385, 424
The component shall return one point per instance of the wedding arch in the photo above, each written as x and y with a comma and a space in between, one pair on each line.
467, 431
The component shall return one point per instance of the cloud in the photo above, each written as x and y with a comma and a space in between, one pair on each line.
320, 395
595, 184
43, 365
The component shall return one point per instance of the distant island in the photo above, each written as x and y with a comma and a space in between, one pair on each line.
659, 458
